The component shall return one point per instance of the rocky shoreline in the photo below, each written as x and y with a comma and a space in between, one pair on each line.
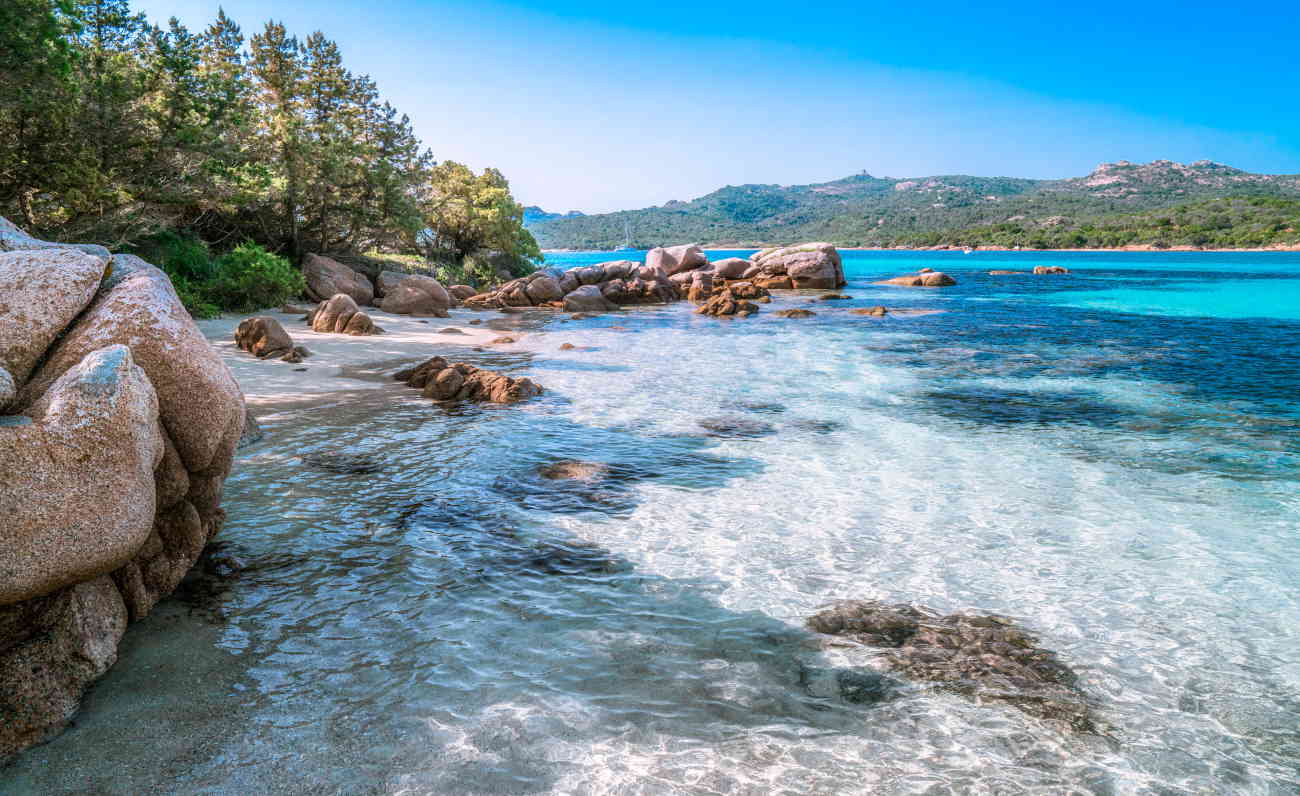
109, 364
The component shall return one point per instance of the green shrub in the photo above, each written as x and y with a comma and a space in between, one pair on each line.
180, 254
250, 278
194, 298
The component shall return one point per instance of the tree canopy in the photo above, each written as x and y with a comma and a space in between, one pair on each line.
113, 129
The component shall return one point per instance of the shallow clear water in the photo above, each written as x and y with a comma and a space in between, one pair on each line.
1110, 462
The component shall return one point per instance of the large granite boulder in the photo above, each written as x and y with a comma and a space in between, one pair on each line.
116, 437
925, 278
462, 292
988, 658
445, 381
13, 239
137, 306
806, 266
43, 291
415, 294
386, 282
543, 290
587, 298
731, 268
341, 315
676, 259
326, 278
77, 488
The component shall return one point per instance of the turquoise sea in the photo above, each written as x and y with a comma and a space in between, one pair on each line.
1109, 457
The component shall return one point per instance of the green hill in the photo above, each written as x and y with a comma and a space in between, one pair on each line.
1112, 206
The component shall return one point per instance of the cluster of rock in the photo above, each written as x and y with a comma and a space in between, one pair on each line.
118, 424
341, 315
984, 657
265, 338
590, 288
445, 381
808, 266
723, 302
669, 274
391, 291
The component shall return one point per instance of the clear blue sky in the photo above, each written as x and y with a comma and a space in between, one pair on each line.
602, 105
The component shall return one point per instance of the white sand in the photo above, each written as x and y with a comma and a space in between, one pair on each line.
343, 363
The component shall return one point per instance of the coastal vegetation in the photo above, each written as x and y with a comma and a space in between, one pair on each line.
1158, 204
225, 158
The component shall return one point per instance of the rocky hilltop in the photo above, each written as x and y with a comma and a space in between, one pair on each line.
863, 210
118, 424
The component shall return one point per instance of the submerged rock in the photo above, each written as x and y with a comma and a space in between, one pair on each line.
444, 381
574, 470
795, 314
343, 463
926, 279
983, 657
1050, 269
877, 311
735, 426
834, 297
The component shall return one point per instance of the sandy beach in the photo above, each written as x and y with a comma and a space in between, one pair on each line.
343, 363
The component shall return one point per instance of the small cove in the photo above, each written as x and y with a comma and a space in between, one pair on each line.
1117, 474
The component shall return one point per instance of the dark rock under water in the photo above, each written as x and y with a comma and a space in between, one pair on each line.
983, 657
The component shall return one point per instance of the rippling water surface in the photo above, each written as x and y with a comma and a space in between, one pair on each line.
1110, 457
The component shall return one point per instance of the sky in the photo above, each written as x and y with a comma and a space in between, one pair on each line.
606, 105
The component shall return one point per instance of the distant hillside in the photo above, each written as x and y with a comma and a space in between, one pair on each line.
533, 214
958, 210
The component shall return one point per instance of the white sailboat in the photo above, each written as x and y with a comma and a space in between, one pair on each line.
627, 237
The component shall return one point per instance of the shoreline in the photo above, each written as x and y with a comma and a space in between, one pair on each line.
1146, 248
342, 363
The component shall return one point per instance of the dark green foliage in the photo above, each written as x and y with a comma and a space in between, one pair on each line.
115, 130
953, 210
181, 255
245, 279
250, 278
187, 262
